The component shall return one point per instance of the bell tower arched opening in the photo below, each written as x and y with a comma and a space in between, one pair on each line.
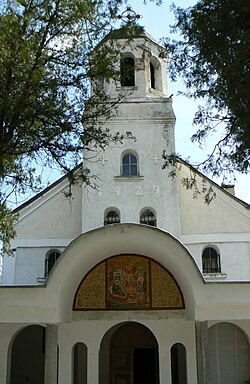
155, 78
127, 67
152, 76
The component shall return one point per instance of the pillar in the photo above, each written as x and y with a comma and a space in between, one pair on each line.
50, 371
201, 331
65, 373
164, 362
4, 351
93, 364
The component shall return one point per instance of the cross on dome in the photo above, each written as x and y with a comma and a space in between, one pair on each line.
129, 15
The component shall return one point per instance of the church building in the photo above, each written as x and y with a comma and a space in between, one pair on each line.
132, 281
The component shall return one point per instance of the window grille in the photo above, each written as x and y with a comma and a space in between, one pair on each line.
148, 218
112, 217
211, 261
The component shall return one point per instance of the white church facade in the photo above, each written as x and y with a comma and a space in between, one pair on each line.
134, 281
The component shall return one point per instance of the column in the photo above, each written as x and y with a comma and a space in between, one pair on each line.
93, 363
164, 362
4, 348
65, 372
50, 374
201, 332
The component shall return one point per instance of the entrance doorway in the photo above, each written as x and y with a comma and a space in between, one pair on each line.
28, 356
133, 355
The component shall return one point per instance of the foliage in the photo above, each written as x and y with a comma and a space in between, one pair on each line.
213, 57
195, 181
7, 221
47, 113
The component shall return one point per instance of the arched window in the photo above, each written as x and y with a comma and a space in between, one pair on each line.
50, 260
178, 364
210, 261
152, 76
112, 217
129, 165
148, 217
127, 72
80, 363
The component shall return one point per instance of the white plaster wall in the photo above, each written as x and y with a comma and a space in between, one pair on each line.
53, 303
153, 189
148, 115
53, 215
91, 333
223, 215
234, 256
30, 264
49, 222
8, 275
27, 264
7, 334
224, 223
235, 259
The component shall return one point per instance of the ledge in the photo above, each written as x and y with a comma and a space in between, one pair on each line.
214, 276
127, 88
128, 178
41, 280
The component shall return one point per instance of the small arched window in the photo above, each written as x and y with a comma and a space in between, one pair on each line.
210, 261
178, 364
80, 363
112, 217
50, 260
148, 217
127, 72
129, 165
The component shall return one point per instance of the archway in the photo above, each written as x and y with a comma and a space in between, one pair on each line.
228, 354
28, 356
133, 355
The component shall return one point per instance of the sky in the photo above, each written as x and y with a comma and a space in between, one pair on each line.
157, 21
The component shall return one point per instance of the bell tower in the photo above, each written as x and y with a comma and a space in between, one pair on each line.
142, 64
131, 184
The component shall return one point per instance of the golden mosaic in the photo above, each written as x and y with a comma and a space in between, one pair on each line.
128, 282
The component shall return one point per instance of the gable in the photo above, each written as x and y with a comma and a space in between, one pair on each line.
52, 214
224, 214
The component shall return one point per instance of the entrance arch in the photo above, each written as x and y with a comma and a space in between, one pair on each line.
130, 350
28, 356
228, 354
